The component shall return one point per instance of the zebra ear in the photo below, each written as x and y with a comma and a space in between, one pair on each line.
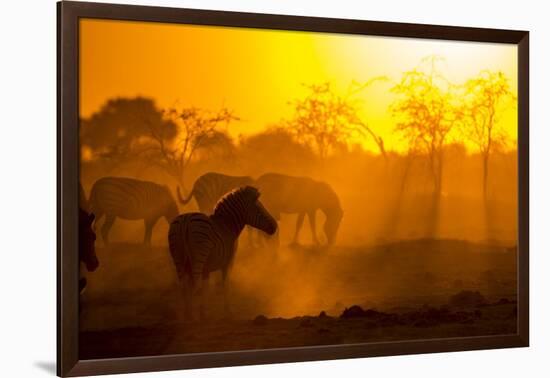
255, 192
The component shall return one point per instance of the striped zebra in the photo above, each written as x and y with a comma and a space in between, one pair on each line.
212, 186
302, 196
131, 199
200, 243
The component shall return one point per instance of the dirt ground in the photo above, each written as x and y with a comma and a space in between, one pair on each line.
301, 296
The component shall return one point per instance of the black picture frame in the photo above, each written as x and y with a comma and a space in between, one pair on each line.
69, 13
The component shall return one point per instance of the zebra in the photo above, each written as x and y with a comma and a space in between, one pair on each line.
210, 187
302, 196
200, 243
86, 245
129, 198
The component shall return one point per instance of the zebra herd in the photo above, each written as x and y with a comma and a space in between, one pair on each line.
206, 241
280, 194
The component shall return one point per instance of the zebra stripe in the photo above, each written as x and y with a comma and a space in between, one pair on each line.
210, 187
131, 199
200, 244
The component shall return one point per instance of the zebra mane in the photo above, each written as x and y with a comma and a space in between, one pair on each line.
246, 194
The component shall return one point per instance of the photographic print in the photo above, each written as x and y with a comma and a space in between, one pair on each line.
256, 189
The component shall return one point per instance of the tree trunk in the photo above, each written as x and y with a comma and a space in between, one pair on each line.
485, 175
437, 173
396, 204
433, 212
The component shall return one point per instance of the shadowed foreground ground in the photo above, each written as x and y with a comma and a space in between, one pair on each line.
396, 291
262, 333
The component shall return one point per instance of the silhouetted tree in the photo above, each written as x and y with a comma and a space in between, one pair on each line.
323, 119
117, 130
196, 129
427, 111
219, 145
327, 121
363, 127
486, 96
275, 149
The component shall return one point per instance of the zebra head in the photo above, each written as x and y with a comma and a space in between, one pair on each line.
332, 223
86, 241
256, 214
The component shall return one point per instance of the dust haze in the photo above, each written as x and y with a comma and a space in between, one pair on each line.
426, 246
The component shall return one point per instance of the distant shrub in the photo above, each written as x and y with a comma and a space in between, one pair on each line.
357, 312
260, 320
467, 298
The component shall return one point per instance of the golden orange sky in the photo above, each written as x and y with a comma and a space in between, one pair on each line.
257, 72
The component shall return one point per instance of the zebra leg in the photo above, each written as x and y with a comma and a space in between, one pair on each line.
299, 223
274, 240
203, 295
109, 221
226, 307
149, 224
311, 216
197, 291
186, 284
187, 287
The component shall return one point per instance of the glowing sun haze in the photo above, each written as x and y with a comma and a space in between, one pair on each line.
257, 72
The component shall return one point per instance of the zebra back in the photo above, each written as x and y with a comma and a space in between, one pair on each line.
294, 194
209, 188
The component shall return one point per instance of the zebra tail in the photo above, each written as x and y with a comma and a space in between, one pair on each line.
184, 201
